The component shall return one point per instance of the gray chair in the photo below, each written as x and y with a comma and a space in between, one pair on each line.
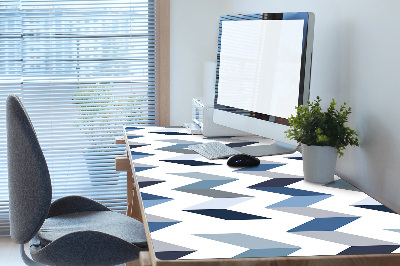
70, 231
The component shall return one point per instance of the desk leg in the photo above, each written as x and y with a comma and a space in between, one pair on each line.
132, 197
122, 164
129, 192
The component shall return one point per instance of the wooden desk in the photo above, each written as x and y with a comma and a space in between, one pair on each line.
202, 212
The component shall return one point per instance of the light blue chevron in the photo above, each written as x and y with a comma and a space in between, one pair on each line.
247, 241
299, 201
341, 184
206, 184
150, 203
219, 203
204, 176
263, 253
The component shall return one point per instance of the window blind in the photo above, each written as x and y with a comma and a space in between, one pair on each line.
83, 69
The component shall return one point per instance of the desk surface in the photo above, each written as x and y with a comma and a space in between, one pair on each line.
197, 208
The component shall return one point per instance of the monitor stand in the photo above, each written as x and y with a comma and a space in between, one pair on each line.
275, 148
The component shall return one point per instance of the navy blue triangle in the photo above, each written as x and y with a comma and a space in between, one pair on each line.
295, 158
380, 249
148, 183
139, 155
381, 208
227, 214
170, 133
142, 168
171, 255
132, 128
277, 182
133, 137
288, 191
154, 226
131, 146
189, 162
240, 144
147, 196
261, 167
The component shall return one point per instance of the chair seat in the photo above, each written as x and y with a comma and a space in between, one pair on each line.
107, 222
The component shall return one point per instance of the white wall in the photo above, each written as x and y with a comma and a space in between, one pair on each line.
356, 59
194, 41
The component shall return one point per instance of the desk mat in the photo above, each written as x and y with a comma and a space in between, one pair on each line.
202, 209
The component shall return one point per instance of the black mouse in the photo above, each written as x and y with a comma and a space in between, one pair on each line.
242, 160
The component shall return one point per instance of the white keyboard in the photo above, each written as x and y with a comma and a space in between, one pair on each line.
214, 150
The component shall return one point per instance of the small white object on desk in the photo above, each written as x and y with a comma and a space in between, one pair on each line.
214, 150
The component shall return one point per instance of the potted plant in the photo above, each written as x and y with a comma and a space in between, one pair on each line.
323, 135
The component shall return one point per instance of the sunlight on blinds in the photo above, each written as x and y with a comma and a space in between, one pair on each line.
82, 69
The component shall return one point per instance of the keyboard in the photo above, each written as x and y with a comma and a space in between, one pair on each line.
214, 150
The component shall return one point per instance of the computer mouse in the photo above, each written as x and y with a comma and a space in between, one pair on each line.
242, 160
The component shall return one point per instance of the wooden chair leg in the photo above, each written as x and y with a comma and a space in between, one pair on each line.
133, 263
145, 259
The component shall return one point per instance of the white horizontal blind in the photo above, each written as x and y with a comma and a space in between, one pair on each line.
82, 69
10, 82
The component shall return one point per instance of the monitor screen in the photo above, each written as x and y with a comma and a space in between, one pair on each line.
260, 63
263, 71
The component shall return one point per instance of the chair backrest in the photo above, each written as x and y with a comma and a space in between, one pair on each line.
29, 183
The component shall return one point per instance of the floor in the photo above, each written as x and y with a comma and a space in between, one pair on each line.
9, 253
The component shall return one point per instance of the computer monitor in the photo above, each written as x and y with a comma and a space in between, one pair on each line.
263, 73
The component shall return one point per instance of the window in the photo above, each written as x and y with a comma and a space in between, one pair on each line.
82, 69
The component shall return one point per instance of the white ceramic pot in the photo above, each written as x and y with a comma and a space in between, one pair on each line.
319, 163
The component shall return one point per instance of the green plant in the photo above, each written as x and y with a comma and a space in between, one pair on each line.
312, 126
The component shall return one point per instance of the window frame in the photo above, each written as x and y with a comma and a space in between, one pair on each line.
163, 88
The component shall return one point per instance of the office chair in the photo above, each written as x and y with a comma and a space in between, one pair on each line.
70, 231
